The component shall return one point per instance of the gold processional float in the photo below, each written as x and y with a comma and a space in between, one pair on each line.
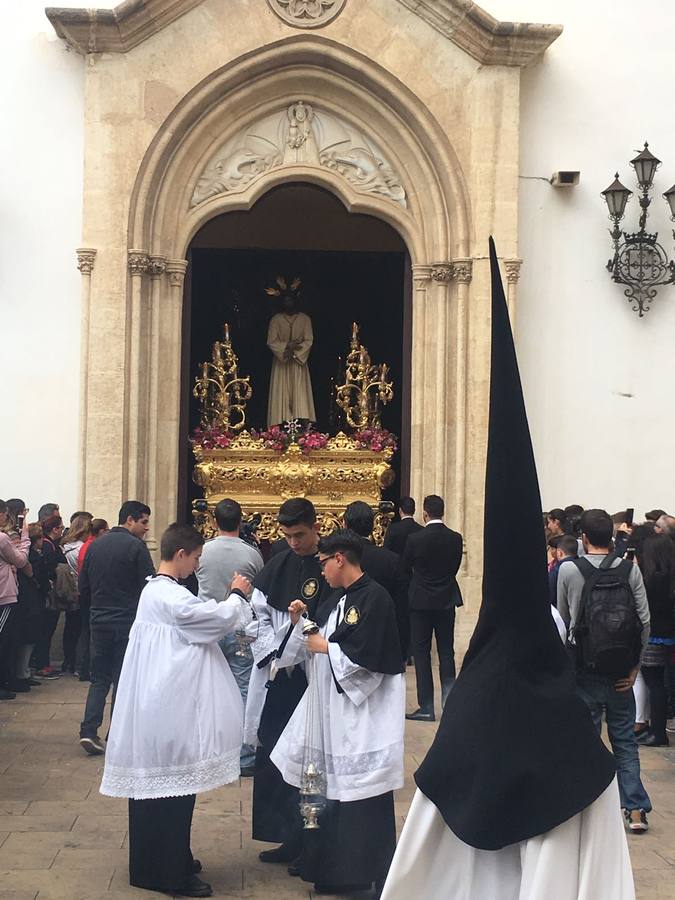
261, 469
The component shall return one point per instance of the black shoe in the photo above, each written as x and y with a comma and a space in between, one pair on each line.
247, 772
21, 686
85, 676
287, 853
196, 866
7, 695
33, 682
421, 716
654, 741
341, 888
294, 868
194, 887
93, 745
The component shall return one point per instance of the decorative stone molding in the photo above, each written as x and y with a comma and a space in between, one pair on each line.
512, 269
300, 134
307, 13
442, 272
462, 270
462, 21
138, 262
156, 266
421, 277
86, 257
176, 269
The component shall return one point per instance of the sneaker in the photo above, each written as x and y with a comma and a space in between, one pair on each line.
636, 820
93, 745
47, 673
670, 725
33, 682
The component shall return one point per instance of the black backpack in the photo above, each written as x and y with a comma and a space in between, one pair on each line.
607, 630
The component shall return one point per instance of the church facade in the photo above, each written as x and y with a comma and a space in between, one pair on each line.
407, 112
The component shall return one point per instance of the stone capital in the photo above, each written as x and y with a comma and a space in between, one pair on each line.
421, 277
156, 266
512, 269
462, 270
138, 262
86, 257
442, 272
176, 269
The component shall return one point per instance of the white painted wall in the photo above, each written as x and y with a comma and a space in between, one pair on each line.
582, 350
41, 98
598, 380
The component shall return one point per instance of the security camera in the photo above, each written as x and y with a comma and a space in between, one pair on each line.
565, 179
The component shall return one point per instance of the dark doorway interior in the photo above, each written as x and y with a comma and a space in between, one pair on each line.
353, 269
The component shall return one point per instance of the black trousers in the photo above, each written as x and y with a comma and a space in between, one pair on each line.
48, 621
424, 623
8, 644
655, 679
160, 858
109, 643
71, 636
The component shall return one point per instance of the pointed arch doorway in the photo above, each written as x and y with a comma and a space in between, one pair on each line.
353, 267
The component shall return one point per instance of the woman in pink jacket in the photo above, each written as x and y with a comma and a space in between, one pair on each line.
12, 557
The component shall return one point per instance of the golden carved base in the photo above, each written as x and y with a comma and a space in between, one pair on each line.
261, 479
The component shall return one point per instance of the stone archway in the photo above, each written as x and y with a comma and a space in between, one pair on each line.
191, 172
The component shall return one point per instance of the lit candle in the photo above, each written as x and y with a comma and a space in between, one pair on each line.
355, 331
227, 333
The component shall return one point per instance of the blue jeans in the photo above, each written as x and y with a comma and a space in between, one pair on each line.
241, 669
599, 695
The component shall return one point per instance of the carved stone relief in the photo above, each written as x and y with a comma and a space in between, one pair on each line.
307, 13
300, 135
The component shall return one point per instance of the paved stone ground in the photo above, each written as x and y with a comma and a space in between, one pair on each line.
61, 840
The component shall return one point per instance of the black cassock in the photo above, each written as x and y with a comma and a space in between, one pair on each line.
286, 577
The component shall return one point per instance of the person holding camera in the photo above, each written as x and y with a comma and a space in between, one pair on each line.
223, 557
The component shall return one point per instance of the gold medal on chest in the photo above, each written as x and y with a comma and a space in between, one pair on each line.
309, 588
352, 616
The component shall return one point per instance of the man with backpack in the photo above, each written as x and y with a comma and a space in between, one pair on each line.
603, 601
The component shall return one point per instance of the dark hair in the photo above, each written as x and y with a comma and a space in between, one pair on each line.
97, 526
573, 515
179, 537
554, 541
133, 508
407, 506
228, 515
83, 513
343, 541
51, 523
655, 514
3, 506
598, 527
359, 517
297, 511
574, 509
15, 507
559, 515
434, 506
47, 510
656, 558
568, 544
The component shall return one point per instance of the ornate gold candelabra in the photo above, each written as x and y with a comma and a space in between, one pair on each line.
366, 386
222, 393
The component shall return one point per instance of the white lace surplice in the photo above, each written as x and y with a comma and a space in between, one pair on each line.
177, 724
363, 727
585, 858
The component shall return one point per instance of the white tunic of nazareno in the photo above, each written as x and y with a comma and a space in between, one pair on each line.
177, 724
585, 858
290, 394
363, 727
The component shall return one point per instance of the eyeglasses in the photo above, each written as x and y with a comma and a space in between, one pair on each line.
322, 562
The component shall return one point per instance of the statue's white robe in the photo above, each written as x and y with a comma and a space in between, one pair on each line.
585, 858
290, 394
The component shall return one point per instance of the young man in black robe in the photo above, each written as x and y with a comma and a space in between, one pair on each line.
274, 692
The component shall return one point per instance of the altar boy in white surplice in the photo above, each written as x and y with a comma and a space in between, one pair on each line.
177, 726
361, 707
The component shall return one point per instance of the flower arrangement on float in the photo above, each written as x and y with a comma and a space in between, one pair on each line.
212, 438
279, 438
375, 438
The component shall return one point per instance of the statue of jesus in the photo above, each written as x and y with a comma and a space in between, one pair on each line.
290, 339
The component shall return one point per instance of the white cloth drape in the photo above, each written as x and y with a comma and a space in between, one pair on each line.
585, 858
177, 724
362, 727
290, 394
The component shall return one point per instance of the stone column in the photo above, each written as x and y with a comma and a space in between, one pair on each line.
512, 269
421, 281
138, 264
86, 257
153, 351
171, 343
462, 270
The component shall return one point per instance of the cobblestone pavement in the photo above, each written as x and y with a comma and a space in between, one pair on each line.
61, 840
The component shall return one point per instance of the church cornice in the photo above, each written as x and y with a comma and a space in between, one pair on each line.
466, 24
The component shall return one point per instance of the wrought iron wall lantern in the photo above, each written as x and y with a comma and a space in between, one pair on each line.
639, 262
